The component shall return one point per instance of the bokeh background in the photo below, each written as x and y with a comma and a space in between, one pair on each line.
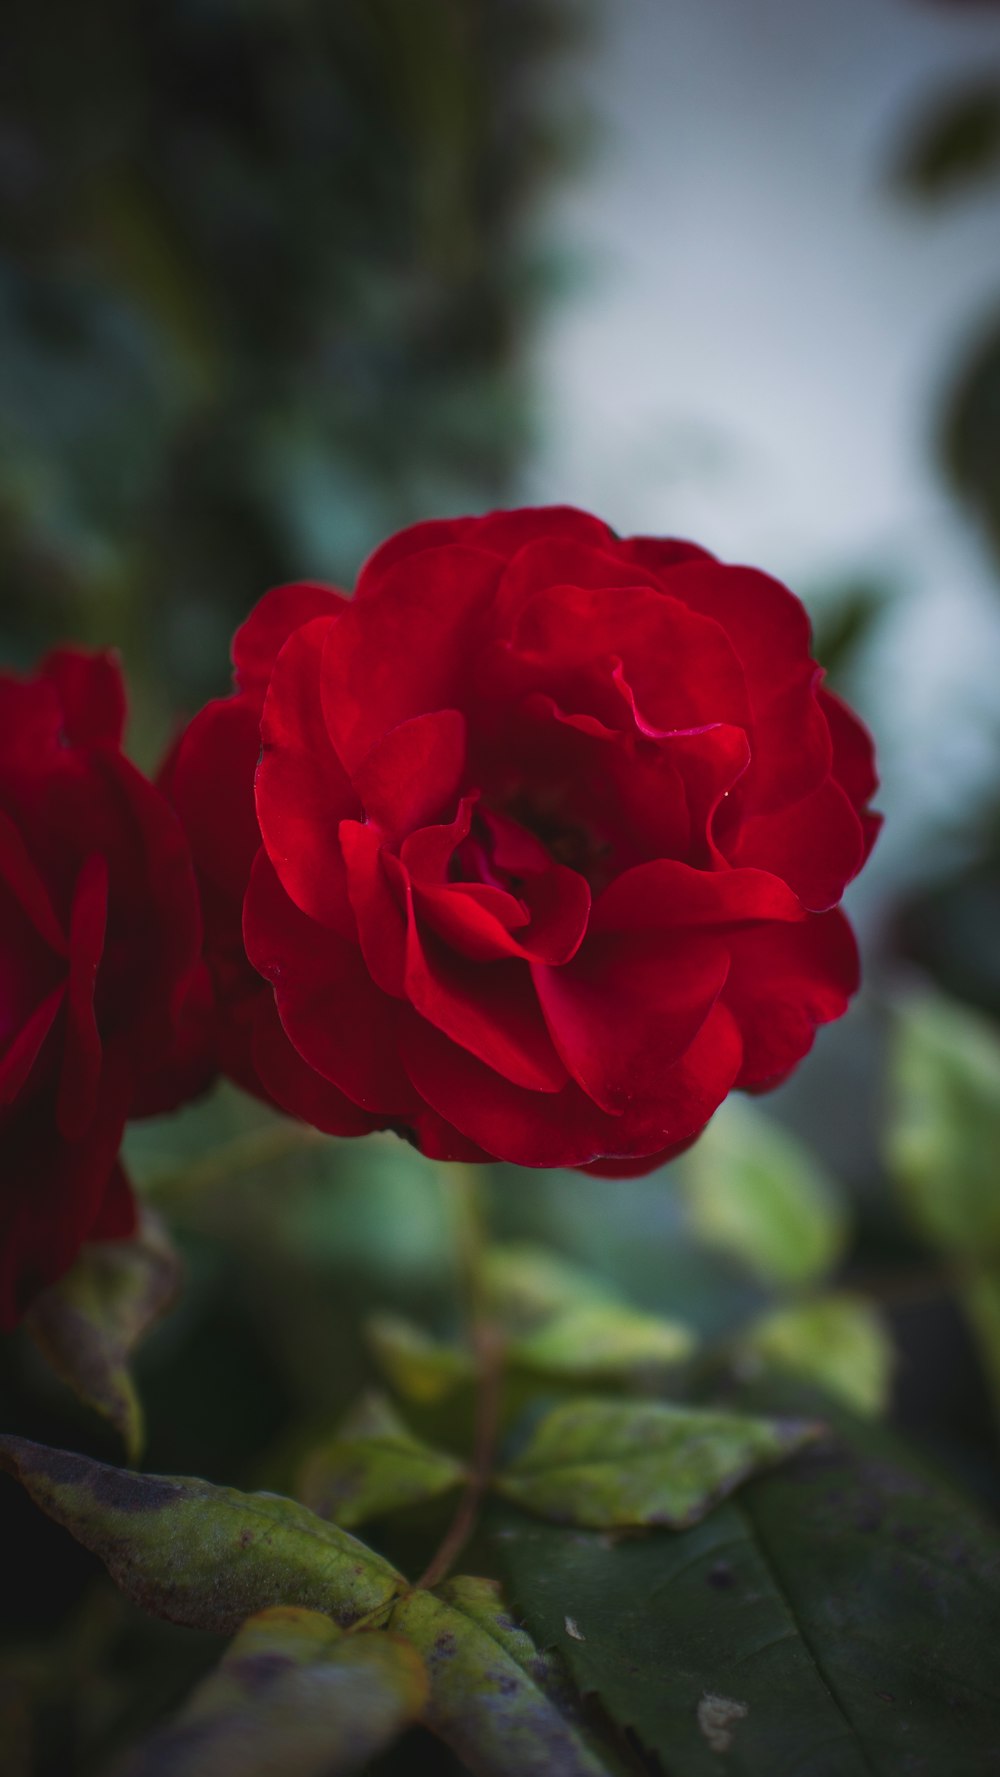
276, 279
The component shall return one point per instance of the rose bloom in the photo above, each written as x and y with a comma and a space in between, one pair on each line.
531, 850
99, 946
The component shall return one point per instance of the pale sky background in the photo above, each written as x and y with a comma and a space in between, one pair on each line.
754, 352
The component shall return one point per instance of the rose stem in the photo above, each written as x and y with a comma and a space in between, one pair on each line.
487, 1351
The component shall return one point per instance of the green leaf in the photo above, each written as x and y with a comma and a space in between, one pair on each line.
373, 1466
837, 1341
566, 1324
87, 1324
418, 1367
608, 1464
839, 1618
207, 1557
294, 1695
526, 1285
494, 1699
943, 1148
943, 1132
602, 1342
757, 1193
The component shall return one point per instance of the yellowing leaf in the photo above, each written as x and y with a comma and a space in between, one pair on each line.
608, 1464
207, 1557
373, 1466
292, 1695
87, 1324
498, 1703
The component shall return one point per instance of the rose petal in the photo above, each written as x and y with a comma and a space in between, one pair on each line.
414, 773
817, 846
566, 1128
628, 1007
27, 887
25, 1046
283, 610
770, 632
490, 1009
784, 981
330, 1009
297, 1087
853, 750
220, 749
91, 694
662, 895
118, 1216
503, 533
381, 922
302, 790
404, 649
82, 1057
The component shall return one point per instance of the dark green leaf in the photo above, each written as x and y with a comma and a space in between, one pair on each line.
956, 145
837, 1341
839, 1619
375, 1465
292, 1695
969, 441
616, 1463
494, 1699
758, 1193
204, 1556
87, 1325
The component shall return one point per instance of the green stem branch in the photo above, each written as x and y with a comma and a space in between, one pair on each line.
488, 1355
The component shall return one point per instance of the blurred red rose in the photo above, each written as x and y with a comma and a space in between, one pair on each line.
99, 948
535, 846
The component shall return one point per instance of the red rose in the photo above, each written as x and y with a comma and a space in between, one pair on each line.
99, 944
538, 842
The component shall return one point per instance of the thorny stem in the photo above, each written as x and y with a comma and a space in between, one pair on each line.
487, 1351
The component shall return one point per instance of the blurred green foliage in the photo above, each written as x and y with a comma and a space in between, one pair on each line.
267, 274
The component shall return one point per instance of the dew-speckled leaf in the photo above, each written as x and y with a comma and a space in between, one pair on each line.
838, 1618
87, 1325
419, 1368
757, 1193
611, 1464
837, 1341
374, 1465
498, 1703
292, 1695
207, 1557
